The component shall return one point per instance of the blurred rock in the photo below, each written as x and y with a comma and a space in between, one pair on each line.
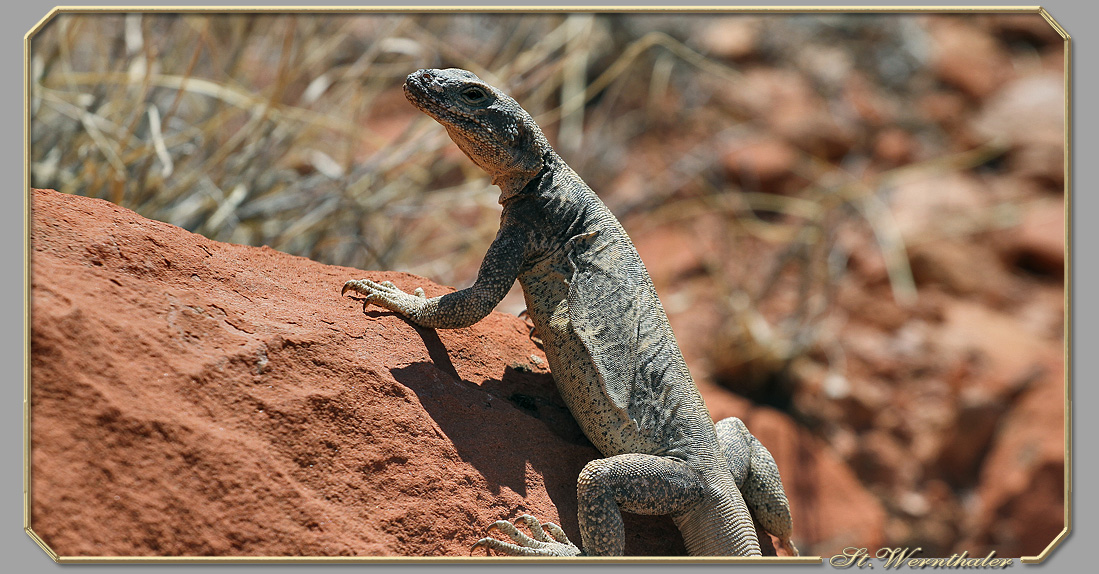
938, 204
794, 111
1038, 243
1009, 357
967, 440
968, 57
762, 164
1043, 314
942, 106
829, 66
1029, 115
868, 102
730, 37
880, 459
894, 146
1021, 495
962, 268
1029, 27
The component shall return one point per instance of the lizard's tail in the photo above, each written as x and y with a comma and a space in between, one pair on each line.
720, 526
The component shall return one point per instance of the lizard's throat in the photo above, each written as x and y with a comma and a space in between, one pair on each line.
512, 183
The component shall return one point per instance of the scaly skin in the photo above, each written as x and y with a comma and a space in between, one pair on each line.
610, 349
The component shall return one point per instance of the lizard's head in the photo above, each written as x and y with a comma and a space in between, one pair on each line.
488, 125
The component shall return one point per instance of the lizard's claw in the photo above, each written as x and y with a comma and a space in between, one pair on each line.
533, 334
350, 286
545, 540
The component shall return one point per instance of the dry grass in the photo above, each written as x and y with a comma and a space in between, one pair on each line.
290, 131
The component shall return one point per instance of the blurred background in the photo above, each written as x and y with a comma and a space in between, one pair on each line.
856, 220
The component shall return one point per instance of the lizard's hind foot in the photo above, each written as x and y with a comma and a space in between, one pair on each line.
789, 547
538, 544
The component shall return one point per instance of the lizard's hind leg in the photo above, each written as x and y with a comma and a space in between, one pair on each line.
638, 483
756, 475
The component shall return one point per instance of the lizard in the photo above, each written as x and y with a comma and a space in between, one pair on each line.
610, 349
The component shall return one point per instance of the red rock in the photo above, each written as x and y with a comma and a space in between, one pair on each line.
881, 458
867, 101
968, 437
942, 106
673, 254
190, 397
1044, 314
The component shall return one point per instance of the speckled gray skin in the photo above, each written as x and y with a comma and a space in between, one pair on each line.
610, 348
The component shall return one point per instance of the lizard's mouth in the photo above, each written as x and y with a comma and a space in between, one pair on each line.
416, 90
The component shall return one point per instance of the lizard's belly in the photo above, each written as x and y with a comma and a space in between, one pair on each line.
608, 426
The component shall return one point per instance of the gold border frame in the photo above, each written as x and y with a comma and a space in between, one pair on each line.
57, 10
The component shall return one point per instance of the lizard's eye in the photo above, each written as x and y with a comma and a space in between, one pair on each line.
474, 95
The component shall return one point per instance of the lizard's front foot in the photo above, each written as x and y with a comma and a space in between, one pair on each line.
540, 545
386, 294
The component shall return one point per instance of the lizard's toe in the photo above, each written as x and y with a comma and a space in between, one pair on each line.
365, 287
556, 532
538, 544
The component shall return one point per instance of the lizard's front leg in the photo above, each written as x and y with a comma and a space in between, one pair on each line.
460, 308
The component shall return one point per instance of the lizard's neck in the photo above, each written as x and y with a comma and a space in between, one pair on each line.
515, 183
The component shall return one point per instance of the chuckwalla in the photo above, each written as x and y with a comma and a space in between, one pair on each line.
611, 351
